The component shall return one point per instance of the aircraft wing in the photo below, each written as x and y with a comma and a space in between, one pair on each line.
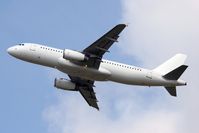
85, 87
96, 50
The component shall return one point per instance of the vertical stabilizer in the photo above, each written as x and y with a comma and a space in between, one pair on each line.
171, 64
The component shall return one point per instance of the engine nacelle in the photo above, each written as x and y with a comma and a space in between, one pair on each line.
73, 55
64, 84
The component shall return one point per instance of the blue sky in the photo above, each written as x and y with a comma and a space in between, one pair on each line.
157, 30
25, 89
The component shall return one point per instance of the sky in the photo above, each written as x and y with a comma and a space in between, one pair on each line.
156, 31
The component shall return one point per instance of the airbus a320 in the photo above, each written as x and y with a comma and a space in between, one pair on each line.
87, 66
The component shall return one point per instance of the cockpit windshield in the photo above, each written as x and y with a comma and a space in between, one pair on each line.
21, 44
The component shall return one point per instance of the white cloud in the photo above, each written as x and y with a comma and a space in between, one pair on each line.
71, 114
157, 30
160, 28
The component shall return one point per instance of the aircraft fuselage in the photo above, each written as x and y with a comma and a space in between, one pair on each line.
108, 70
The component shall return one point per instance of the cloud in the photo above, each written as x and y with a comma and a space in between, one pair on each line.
157, 31
122, 109
71, 114
160, 27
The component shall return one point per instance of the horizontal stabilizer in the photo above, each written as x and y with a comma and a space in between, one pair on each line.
176, 73
172, 91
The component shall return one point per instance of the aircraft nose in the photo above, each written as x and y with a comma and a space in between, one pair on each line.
12, 51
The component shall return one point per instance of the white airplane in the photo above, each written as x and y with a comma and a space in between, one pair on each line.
87, 66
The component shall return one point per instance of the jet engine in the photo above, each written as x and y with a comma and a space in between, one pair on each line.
73, 55
64, 84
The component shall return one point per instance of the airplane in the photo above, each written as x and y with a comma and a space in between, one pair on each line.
87, 66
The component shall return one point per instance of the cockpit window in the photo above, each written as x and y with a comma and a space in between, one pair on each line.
21, 44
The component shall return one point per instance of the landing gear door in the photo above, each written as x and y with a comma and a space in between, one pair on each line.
149, 75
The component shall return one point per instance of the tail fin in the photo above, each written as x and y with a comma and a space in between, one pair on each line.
172, 69
171, 64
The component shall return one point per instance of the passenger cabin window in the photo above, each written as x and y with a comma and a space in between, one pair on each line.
21, 44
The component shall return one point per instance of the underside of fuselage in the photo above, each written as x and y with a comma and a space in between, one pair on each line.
84, 72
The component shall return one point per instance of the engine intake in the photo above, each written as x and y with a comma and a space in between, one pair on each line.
73, 55
64, 84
